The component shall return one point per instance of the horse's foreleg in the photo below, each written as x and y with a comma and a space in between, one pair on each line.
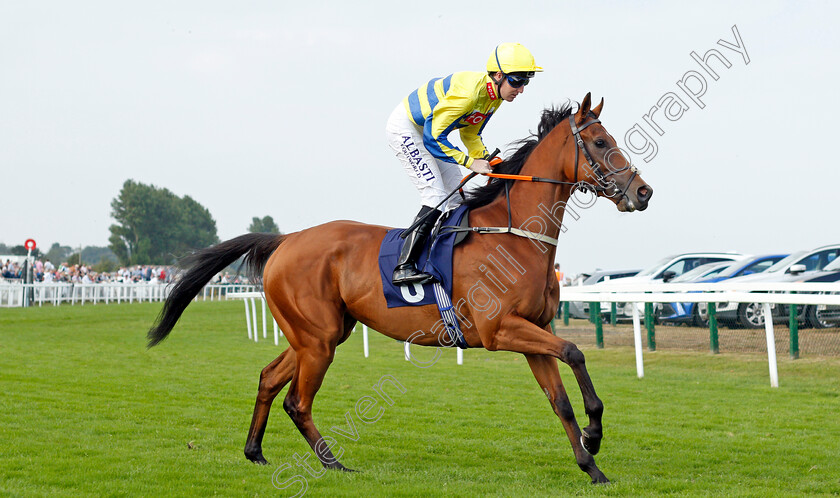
519, 335
592, 433
312, 365
272, 380
548, 376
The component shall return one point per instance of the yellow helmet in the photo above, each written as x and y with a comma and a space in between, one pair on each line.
512, 58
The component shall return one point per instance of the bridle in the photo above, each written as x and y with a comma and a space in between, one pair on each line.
604, 184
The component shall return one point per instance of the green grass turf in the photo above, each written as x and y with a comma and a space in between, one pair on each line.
87, 410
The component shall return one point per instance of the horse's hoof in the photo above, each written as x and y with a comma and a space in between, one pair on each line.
600, 479
257, 458
338, 466
591, 444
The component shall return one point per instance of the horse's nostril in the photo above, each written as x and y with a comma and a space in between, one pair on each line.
644, 193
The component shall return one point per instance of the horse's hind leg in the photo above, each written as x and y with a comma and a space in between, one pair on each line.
547, 374
312, 365
272, 380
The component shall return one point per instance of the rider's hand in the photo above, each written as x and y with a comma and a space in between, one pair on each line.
481, 166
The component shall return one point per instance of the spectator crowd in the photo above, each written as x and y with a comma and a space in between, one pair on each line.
46, 271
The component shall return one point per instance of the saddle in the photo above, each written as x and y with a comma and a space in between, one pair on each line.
435, 259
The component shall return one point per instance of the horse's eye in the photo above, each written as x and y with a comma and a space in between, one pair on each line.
600, 143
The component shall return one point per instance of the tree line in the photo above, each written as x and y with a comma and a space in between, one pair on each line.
153, 226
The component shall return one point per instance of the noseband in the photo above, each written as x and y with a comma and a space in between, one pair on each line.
604, 184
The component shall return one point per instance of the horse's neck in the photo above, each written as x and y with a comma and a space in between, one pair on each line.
535, 206
545, 202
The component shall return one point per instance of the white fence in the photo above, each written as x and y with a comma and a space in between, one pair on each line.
219, 291
14, 294
766, 293
251, 315
719, 292
253, 328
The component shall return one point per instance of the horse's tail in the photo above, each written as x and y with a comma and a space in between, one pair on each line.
202, 265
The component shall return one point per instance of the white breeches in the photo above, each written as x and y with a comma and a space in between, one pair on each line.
434, 179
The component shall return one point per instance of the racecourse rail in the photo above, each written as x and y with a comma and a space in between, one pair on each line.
794, 293
36, 294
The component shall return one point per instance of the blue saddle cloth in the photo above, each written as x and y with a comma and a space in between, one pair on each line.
437, 264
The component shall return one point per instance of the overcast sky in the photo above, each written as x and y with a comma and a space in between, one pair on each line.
278, 108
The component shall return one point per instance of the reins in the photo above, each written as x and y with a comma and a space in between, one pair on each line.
604, 185
594, 166
467, 178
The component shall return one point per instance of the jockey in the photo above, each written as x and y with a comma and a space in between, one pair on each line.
418, 128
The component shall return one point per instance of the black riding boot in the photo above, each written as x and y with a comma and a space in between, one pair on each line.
406, 273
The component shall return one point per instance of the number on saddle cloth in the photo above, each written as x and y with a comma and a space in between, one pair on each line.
436, 259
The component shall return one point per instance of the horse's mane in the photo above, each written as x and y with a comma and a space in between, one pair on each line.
484, 195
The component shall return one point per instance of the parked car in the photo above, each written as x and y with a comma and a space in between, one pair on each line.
685, 312
799, 266
668, 268
697, 313
578, 309
819, 316
702, 272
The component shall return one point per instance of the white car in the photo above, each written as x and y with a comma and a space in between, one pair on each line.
796, 267
579, 309
669, 268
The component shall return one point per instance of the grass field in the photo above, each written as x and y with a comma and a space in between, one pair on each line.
87, 410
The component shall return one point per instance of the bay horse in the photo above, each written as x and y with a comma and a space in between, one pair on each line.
322, 280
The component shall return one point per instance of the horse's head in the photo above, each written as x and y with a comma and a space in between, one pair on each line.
600, 164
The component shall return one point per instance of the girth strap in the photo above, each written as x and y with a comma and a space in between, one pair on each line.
515, 231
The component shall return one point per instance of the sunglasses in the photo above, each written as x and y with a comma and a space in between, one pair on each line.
517, 81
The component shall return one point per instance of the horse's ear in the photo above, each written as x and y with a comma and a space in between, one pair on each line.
597, 110
584, 108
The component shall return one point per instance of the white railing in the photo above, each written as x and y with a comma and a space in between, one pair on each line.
253, 329
766, 293
12, 295
219, 291
718, 292
56, 293
251, 315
